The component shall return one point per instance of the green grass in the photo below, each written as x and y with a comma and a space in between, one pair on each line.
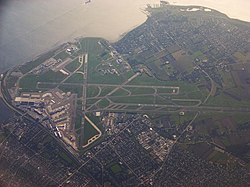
224, 100
131, 108
89, 132
105, 55
227, 78
120, 92
96, 120
116, 168
91, 101
226, 141
29, 81
185, 103
11, 81
73, 65
106, 90
162, 101
96, 54
2, 137
78, 122
46, 86
65, 157
62, 55
90, 45
160, 73
184, 62
241, 118
95, 77
187, 87
165, 90
72, 88
134, 100
31, 65
151, 81
135, 91
177, 119
94, 50
197, 54
75, 78
242, 57
103, 103
51, 76
92, 91
148, 81
213, 115
195, 95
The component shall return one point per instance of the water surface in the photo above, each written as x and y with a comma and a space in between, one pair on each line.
31, 27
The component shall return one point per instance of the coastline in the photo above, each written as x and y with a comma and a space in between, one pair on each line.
145, 12
112, 38
37, 36
233, 9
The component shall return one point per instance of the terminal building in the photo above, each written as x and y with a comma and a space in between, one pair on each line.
29, 99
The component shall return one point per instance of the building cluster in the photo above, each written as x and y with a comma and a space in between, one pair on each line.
47, 163
211, 41
133, 152
107, 68
137, 160
184, 168
52, 64
118, 160
158, 146
57, 63
71, 48
122, 148
54, 109
115, 64
109, 122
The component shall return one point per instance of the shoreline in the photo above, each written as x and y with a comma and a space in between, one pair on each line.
231, 11
12, 57
143, 10
132, 28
